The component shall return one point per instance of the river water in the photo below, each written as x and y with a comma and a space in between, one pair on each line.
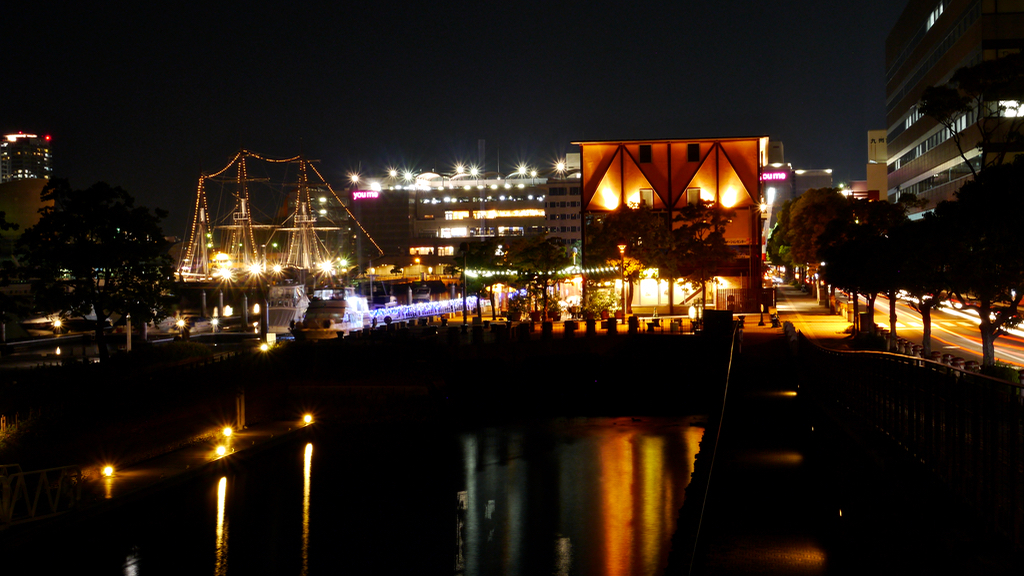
581, 496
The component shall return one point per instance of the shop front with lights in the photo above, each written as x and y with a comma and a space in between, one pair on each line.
666, 175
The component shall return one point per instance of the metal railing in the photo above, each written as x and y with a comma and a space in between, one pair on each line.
966, 428
38, 494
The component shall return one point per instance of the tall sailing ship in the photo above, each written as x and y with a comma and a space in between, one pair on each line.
307, 243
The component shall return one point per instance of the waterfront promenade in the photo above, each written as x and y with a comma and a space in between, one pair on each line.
793, 491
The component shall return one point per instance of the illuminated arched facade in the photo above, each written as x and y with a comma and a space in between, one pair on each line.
669, 174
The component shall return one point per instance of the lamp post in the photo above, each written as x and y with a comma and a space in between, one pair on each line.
763, 209
622, 272
464, 248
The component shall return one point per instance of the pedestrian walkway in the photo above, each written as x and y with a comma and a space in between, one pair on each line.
100, 491
181, 464
792, 491
812, 318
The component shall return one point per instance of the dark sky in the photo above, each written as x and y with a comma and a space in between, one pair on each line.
146, 98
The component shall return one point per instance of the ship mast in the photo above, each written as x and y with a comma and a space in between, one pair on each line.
194, 262
304, 250
241, 244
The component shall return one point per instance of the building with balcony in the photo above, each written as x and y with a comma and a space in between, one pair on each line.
930, 41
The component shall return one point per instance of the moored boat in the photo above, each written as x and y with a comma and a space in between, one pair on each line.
286, 305
330, 312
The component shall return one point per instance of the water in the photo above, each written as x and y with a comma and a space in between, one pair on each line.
581, 496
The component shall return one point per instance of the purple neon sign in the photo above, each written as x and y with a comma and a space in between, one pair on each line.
771, 176
364, 194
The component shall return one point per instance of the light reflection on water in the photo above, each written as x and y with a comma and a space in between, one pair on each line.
581, 497
221, 565
604, 493
307, 467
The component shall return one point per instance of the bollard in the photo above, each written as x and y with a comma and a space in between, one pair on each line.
547, 329
591, 327
569, 329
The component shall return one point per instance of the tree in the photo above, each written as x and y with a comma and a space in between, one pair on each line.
809, 216
862, 255
985, 265
923, 272
700, 248
779, 250
7, 303
94, 251
981, 107
646, 235
482, 260
538, 259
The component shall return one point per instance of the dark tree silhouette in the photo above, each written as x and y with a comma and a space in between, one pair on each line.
94, 251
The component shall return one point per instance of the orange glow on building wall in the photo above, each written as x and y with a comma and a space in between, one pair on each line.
668, 175
725, 169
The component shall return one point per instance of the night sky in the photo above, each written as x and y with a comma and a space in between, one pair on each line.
146, 96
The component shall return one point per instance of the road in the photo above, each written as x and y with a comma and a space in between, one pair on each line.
952, 331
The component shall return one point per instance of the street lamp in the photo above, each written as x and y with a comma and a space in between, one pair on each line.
464, 247
622, 270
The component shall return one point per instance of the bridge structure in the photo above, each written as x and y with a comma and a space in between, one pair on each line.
37, 494
823, 457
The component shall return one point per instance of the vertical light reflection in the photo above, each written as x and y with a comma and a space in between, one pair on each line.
692, 435
563, 556
221, 567
307, 467
617, 506
471, 540
516, 492
653, 531
108, 487
131, 563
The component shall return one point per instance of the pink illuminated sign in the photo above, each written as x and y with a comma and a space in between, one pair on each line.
769, 176
364, 194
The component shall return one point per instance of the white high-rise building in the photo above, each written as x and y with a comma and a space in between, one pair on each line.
25, 156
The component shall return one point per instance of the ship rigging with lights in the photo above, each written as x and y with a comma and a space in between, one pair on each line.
224, 243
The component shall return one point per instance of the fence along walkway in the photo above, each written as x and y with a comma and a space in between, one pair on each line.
966, 428
38, 494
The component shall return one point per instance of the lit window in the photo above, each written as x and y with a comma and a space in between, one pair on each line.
933, 17
645, 153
